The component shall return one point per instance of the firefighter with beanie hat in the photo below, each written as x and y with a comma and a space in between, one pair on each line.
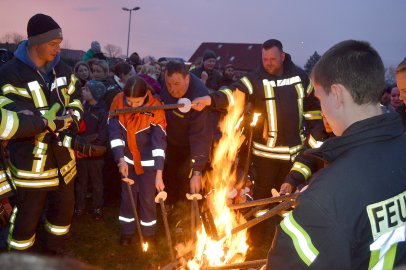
42, 165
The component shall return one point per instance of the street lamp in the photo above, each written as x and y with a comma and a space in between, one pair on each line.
129, 25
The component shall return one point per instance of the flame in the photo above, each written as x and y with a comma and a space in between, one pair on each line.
230, 248
255, 119
145, 247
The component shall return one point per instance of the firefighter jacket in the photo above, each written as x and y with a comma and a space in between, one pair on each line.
353, 214
139, 138
193, 129
42, 161
287, 105
14, 125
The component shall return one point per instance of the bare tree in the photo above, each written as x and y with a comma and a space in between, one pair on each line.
14, 38
112, 50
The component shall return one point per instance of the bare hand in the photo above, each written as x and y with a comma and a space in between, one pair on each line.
286, 188
204, 76
123, 168
159, 182
195, 184
200, 103
26, 112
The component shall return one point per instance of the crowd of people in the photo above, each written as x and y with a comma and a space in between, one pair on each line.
72, 133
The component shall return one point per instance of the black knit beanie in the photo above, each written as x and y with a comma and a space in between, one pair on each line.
42, 28
208, 54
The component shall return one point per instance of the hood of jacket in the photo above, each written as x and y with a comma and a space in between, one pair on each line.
378, 128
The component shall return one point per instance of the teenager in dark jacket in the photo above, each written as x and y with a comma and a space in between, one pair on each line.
401, 83
353, 214
90, 169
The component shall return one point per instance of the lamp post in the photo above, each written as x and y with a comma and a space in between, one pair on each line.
129, 25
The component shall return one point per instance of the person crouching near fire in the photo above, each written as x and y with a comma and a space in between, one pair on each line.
352, 215
138, 142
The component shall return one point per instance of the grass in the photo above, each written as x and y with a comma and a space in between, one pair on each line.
97, 243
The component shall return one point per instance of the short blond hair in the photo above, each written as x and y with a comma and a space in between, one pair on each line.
401, 67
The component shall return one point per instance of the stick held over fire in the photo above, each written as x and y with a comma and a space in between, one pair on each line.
184, 105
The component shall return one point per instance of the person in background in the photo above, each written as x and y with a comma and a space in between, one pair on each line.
228, 75
138, 142
90, 169
148, 73
385, 100
210, 77
401, 84
100, 72
395, 100
352, 215
82, 72
161, 78
94, 52
135, 61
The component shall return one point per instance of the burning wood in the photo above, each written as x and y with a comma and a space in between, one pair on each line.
265, 201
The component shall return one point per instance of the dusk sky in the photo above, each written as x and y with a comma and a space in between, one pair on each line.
175, 28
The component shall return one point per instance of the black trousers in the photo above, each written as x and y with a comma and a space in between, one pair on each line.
89, 170
27, 213
269, 173
176, 173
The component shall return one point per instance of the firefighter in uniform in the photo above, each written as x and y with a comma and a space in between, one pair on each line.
283, 95
42, 166
353, 214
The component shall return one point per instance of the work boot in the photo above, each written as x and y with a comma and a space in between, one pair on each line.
125, 240
97, 214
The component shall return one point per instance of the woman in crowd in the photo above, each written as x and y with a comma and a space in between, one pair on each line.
138, 142
82, 72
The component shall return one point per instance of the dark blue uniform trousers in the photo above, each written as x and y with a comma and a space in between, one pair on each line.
144, 193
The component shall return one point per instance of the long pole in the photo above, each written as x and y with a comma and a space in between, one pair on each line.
129, 30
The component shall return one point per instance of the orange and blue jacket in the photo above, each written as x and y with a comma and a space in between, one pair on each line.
139, 138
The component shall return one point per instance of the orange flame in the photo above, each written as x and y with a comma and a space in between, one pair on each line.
231, 248
145, 246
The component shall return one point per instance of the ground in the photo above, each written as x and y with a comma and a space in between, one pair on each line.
97, 243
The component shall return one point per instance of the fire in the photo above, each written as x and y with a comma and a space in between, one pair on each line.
227, 248
145, 246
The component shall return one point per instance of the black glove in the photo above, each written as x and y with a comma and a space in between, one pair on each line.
81, 145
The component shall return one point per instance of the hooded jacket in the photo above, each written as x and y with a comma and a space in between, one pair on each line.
287, 105
353, 214
39, 161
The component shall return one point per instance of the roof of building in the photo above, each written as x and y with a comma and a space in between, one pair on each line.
244, 56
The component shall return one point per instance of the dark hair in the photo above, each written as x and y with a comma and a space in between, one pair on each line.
357, 66
176, 67
270, 43
135, 87
121, 68
81, 63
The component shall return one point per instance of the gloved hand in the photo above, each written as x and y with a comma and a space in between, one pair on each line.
57, 123
80, 144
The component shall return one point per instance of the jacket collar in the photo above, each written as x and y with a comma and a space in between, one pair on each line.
379, 128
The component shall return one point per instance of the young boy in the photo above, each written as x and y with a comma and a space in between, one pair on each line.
90, 168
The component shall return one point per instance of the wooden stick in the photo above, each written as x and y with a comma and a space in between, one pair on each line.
264, 201
137, 220
273, 211
167, 231
242, 265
